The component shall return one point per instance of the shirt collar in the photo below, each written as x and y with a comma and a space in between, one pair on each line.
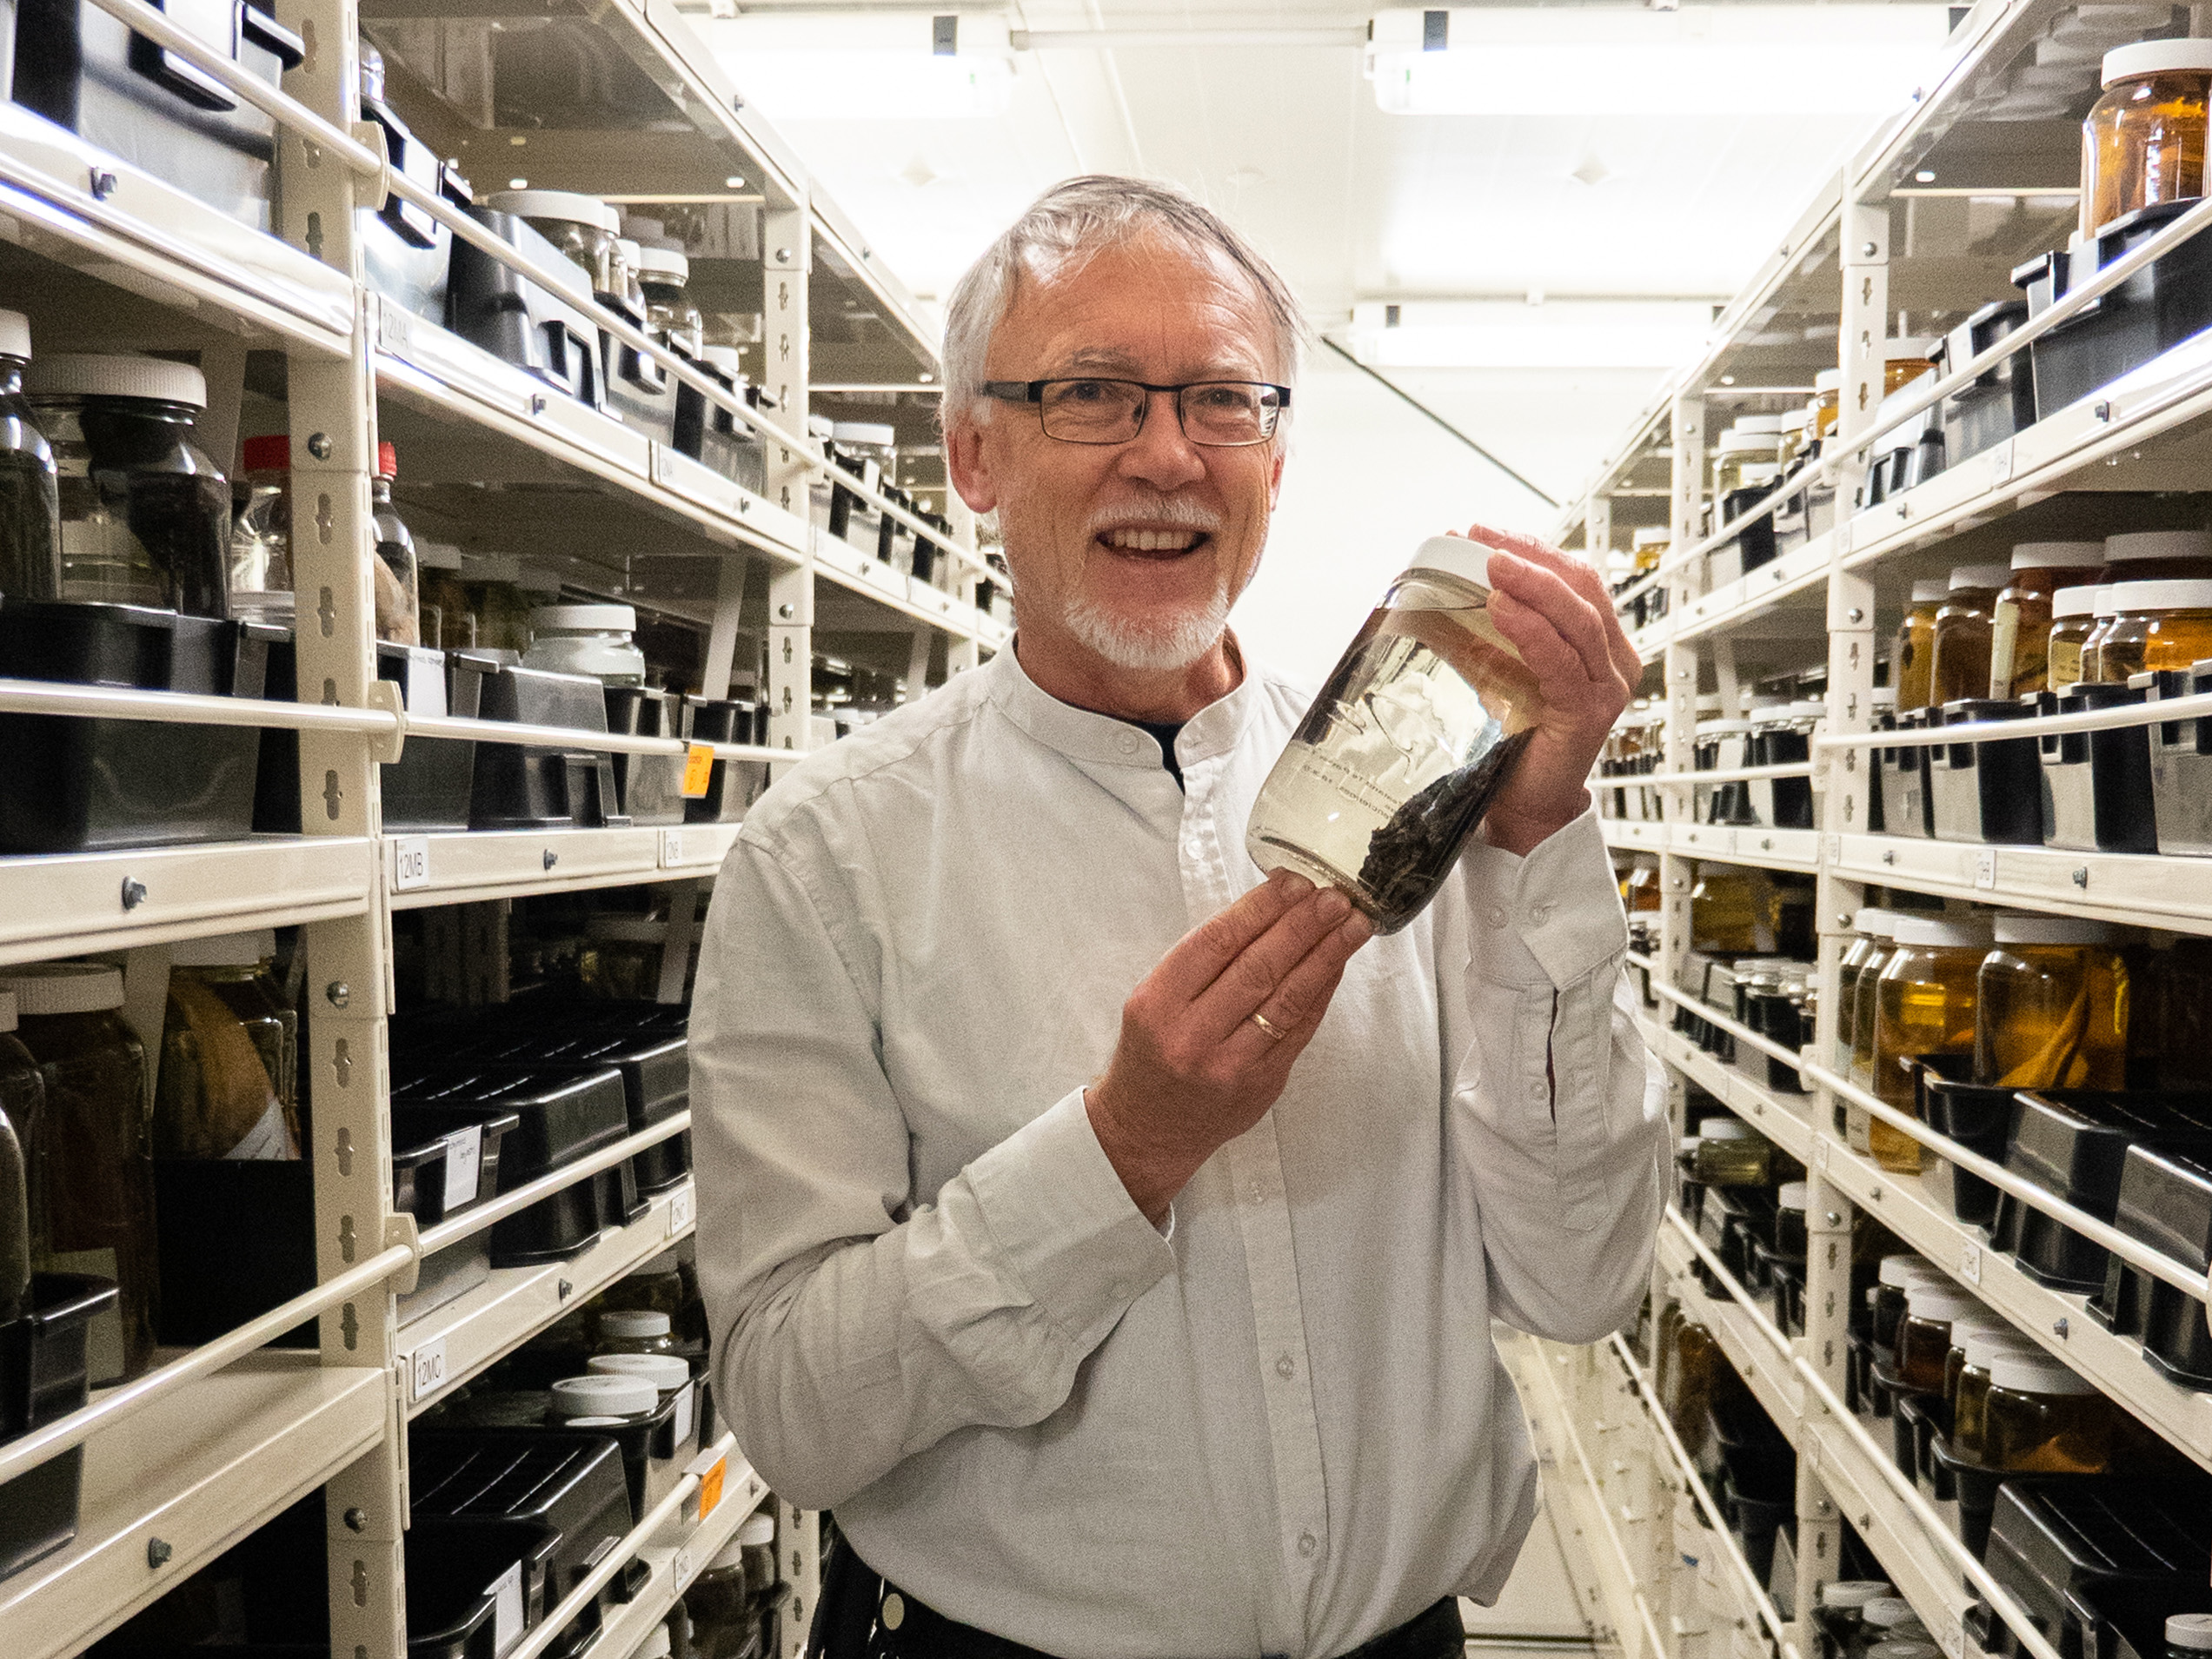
1082, 735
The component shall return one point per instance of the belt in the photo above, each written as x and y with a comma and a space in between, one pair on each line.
907, 1629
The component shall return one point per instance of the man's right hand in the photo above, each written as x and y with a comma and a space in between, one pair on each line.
1193, 1069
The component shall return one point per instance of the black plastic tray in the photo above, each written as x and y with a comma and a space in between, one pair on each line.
2052, 1540
2071, 1143
43, 1378
2165, 1201
648, 786
519, 787
1986, 790
534, 329
2094, 789
734, 785
1979, 1117
2153, 310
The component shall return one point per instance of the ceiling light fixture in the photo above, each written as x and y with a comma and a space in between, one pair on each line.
883, 66
1749, 59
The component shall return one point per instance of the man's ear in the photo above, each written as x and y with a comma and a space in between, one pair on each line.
1275, 476
968, 462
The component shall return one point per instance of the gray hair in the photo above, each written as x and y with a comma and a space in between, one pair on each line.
1077, 218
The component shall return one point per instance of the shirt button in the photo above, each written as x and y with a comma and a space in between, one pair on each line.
1307, 1544
1128, 742
1497, 915
1259, 1193
1537, 1091
1285, 1367
1195, 848
1540, 914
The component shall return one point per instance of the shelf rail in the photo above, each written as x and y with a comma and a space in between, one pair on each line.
376, 162
2149, 712
479, 1216
1714, 774
1736, 1028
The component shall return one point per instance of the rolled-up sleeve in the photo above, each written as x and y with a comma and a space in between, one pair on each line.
855, 1321
1558, 1111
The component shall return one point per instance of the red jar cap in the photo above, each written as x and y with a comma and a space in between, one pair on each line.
388, 461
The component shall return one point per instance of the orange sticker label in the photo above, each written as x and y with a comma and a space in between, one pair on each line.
698, 768
710, 1487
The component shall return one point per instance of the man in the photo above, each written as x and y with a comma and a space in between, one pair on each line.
1110, 1236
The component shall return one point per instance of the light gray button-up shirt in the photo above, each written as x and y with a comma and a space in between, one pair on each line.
1278, 1425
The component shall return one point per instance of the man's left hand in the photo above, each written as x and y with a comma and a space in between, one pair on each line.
1555, 611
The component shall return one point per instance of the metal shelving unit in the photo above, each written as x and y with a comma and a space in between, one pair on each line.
103, 257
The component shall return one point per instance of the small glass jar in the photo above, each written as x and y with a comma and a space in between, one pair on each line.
583, 227
626, 278
1881, 931
398, 590
2052, 1005
2153, 625
1737, 450
1964, 1330
1789, 1238
1842, 1601
1964, 632
2143, 141
2189, 1635
620, 959
1970, 1397
449, 623
2157, 555
599, 1397
1924, 1334
94, 1150
663, 272
1649, 546
1695, 1357
1640, 893
1894, 1278
669, 1373
658, 1287
1730, 1154
635, 1331
1912, 657
1924, 1004
2020, 623
1890, 1619
1418, 728
2108, 606
2073, 620
2042, 1418
594, 639
228, 1086
261, 538
145, 513
1906, 359
1726, 911
1827, 401
1864, 948
31, 500
23, 1238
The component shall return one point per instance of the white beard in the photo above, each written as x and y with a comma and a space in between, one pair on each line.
1148, 647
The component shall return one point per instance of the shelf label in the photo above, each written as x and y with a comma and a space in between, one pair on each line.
464, 1165
672, 848
710, 1487
680, 1421
410, 862
680, 1568
507, 1609
680, 1209
427, 1370
1985, 869
698, 770
1969, 1262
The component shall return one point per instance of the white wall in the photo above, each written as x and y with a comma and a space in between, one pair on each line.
1369, 478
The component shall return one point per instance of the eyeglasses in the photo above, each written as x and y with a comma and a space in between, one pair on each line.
1222, 414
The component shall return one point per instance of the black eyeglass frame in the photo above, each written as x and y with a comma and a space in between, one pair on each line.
1033, 391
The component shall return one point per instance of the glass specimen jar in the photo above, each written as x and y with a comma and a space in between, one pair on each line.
2073, 619
1790, 1199
1894, 1278
227, 1084
145, 513
1416, 731
1738, 451
23, 1238
1649, 546
1906, 359
1730, 1154
261, 540
494, 583
669, 1374
449, 623
2153, 625
1841, 1603
2108, 606
2052, 1005
635, 1331
1924, 1334
2042, 1418
2143, 141
1696, 1354
2188, 1635
1912, 657
94, 1149
2157, 555
31, 500
2020, 624
669, 314
1971, 1394
1864, 948
1964, 1330
583, 227
1827, 401
601, 1397
398, 592
1881, 930
1964, 632
597, 640
1924, 1004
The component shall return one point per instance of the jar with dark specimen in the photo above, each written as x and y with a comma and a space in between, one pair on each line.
2020, 625
2052, 1005
31, 502
228, 1082
1411, 739
2042, 1418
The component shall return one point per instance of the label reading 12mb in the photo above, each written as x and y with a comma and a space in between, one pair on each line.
410, 862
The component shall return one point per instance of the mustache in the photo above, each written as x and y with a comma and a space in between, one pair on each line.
1177, 512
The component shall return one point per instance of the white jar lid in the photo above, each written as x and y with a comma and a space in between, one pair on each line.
1790, 1194
1723, 728
1900, 1272
1885, 697
1933, 587
1689, 1143
1724, 1129
2037, 1373
1852, 1592
1748, 443
2157, 57
1810, 708
729, 360
1902, 1648
603, 1394
634, 1322
1453, 555
2074, 601
665, 1371
1757, 423
1984, 1345
606, 619
1942, 932
14, 335
1989, 576
2158, 544
757, 1532
1875, 921
656, 1644
863, 432
1888, 1609
2013, 928
1653, 536
1905, 347
571, 205
1827, 380
2189, 1630
224, 950
1945, 1301
81, 375
46, 988
2058, 555
664, 262
1967, 1326
2138, 598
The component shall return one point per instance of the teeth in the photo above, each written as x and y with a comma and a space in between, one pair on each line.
1151, 541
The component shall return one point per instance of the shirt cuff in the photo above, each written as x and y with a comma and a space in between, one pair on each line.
1064, 1224
1553, 916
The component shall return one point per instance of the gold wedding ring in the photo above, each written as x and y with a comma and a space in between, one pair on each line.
1262, 1021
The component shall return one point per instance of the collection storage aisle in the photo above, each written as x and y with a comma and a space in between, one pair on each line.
1920, 922
524, 396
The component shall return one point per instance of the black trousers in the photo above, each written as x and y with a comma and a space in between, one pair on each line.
861, 1615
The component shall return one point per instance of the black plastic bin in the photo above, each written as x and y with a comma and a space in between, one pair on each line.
2001, 400
1978, 1117
519, 787
2180, 764
43, 1378
2153, 310
2096, 786
2072, 1143
2066, 1547
538, 331
427, 788
2166, 1203
649, 788
734, 785
1984, 791
1901, 780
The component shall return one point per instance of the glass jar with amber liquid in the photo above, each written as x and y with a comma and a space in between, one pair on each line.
1971, 1394
1731, 1153
2052, 1005
1924, 1004
2153, 625
1912, 658
227, 1084
1855, 1121
2157, 555
2040, 1418
2073, 620
1640, 890
1964, 632
1690, 1376
1924, 1334
2020, 623
2143, 141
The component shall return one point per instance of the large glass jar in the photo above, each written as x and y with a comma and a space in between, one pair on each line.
23, 1238
1924, 1334
1871, 926
2020, 625
1962, 636
94, 1149
1414, 733
2040, 1418
1640, 893
2157, 555
30, 502
145, 513
2073, 619
1740, 449
1881, 931
595, 639
1924, 1004
1971, 1393
664, 272
728, 1601
398, 593
2188, 1635
1691, 1381
261, 540
2143, 141
227, 1084
2153, 625
2052, 1005
2108, 606
1896, 1277
583, 227
600, 1397
1725, 911
1648, 547
1731, 1153
1912, 658
448, 620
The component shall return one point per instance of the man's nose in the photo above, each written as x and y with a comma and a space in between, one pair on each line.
1159, 455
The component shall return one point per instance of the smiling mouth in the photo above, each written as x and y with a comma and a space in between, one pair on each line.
1153, 544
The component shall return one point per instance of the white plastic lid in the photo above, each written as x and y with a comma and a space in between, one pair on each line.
1941, 933
1888, 1609
1723, 728
2138, 598
1790, 1194
436, 555
2037, 1373
2074, 601
1724, 1129
863, 432
2159, 544
2157, 57
1757, 423
14, 335
605, 619
556, 204
224, 950
1901, 1272
1983, 1346
664, 262
492, 567
665, 1371
1747, 444
1990, 576
633, 1322
1689, 1143
1933, 589
1902, 1648
47, 988
2189, 1630
1967, 1326
1885, 697
1454, 555
1945, 1301
1852, 1592
2013, 928
1827, 380
81, 374
2106, 604
1653, 536
8, 1023
603, 1394
758, 1531
656, 1644
1810, 708
2058, 555
1874, 920
1905, 347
